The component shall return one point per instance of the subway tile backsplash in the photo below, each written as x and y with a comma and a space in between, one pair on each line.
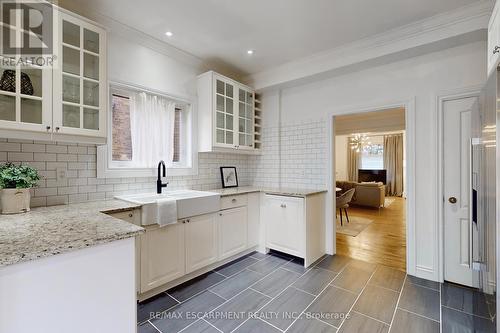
81, 182
303, 164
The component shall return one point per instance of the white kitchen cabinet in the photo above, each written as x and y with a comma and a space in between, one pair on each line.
162, 255
494, 39
25, 92
66, 101
226, 115
201, 241
284, 218
232, 231
295, 225
80, 78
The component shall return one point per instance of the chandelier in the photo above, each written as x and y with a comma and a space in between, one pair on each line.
357, 141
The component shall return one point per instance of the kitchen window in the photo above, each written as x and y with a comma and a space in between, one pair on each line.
144, 128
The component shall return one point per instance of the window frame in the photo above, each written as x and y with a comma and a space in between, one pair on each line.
188, 164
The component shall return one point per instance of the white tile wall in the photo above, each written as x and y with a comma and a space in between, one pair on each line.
303, 150
82, 184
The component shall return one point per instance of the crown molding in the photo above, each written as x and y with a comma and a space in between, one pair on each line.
465, 21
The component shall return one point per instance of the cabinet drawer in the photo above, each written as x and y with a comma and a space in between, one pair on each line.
233, 201
131, 216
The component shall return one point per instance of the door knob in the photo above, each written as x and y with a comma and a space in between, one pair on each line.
452, 200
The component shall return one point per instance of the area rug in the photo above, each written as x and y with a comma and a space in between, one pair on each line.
356, 225
388, 201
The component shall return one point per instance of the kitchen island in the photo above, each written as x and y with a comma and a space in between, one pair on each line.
68, 268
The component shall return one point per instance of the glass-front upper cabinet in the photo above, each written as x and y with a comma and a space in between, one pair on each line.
224, 113
79, 81
25, 89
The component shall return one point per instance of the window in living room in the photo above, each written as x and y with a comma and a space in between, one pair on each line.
372, 154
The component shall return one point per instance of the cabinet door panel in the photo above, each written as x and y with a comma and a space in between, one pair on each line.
284, 224
224, 109
162, 255
80, 79
232, 231
201, 241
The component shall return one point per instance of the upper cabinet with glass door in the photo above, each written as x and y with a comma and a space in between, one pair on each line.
80, 79
25, 86
226, 115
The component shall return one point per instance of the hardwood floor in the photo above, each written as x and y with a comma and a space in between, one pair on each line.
383, 241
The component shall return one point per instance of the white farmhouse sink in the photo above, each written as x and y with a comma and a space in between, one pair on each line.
189, 203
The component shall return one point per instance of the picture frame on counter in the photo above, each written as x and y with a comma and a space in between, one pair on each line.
229, 177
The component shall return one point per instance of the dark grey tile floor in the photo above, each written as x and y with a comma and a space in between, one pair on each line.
274, 293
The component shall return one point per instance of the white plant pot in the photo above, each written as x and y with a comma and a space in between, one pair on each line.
15, 200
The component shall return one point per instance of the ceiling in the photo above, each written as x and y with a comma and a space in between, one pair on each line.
220, 32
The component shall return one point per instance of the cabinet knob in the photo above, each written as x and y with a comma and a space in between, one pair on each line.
283, 206
496, 50
234, 200
130, 215
48, 128
184, 221
57, 129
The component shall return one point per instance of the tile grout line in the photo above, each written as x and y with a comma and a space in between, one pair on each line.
208, 288
397, 303
467, 313
365, 315
203, 319
417, 314
228, 300
319, 294
357, 298
306, 291
265, 322
156, 328
272, 299
197, 294
250, 288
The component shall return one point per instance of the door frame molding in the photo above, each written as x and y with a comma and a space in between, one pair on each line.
410, 126
445, 96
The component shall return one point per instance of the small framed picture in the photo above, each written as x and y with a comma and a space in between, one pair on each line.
229, 177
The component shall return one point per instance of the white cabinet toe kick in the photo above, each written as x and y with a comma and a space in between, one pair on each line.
170, 255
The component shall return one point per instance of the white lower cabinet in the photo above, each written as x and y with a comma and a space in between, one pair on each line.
201, 241
162, 255
232, 231
253, 220
285, 227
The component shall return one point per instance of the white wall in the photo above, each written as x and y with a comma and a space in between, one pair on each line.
136, 64
422, 78
341, 157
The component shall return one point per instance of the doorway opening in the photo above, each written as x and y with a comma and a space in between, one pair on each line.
370, 180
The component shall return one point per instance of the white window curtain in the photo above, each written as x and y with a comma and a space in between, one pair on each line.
152, 120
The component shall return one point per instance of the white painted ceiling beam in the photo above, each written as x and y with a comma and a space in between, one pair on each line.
443, 30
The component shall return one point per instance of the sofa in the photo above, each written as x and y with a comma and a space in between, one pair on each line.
368, 194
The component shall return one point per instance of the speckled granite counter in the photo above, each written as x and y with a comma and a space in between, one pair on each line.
47, 231
278, 191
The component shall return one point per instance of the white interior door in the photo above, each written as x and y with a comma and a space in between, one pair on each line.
456, 162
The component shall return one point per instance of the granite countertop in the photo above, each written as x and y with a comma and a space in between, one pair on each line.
47, 231
292, 192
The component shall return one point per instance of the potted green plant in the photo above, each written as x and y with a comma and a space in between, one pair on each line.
16, 182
